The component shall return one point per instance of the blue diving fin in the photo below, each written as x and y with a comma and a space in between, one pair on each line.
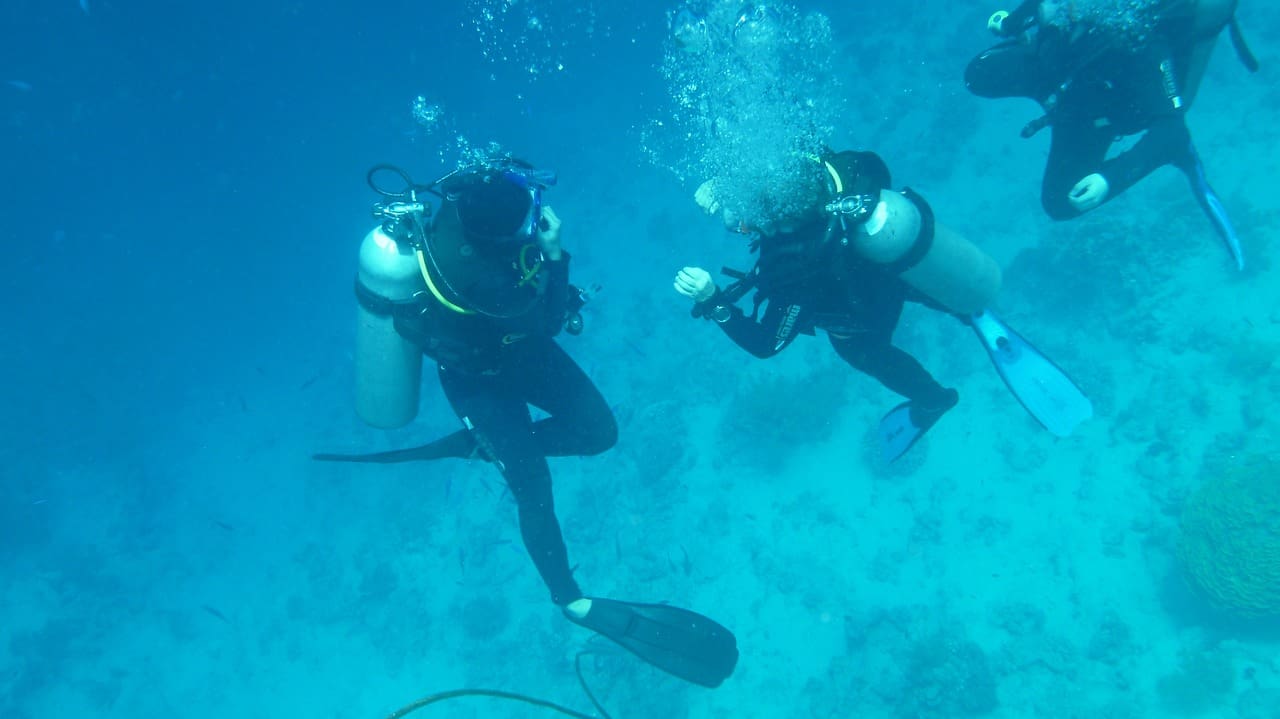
898, 432
1039, 384
1214, 208
905, 424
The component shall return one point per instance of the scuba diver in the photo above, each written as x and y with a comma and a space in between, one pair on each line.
847, 265
480, 286
1103, 73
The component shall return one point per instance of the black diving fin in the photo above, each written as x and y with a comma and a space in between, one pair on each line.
1039, 384
461, 445
677, 641
410, 454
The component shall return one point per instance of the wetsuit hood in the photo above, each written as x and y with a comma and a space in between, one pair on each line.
468, 274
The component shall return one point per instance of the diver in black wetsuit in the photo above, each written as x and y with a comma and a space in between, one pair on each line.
808, 285
847, 266
1097, 85
494, 292
843, 254
501, 294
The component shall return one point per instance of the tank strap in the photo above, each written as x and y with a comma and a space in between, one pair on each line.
379, 305
924, 240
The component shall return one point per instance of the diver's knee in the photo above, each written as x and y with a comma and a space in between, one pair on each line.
980, 79
975, 79
1057, 206
601, 435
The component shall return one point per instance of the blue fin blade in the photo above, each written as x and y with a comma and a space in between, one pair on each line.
1216, 211
1040, 385
897, 432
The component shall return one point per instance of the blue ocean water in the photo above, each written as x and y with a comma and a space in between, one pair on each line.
183, 196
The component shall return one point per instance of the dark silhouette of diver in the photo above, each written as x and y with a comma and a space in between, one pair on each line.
1098, 83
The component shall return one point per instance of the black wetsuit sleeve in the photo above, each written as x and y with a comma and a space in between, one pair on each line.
1021, 18
770, 335
1166, 142
555, 302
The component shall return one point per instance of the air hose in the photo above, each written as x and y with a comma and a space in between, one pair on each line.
511, 696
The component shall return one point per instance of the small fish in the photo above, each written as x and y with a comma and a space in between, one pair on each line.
215, 613
244, 405
309, 382
19, 85
223, 525
39, 502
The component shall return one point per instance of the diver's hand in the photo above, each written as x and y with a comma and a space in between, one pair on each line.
695, 283
549, 234
1089, 192
995, 23
705, 196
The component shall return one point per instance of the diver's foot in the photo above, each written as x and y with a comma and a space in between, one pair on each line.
905, 424
925, 415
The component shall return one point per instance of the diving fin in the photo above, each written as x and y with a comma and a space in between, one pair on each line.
1214, 208
1039, 384
409, 454
905, 424
460, 445
677, 641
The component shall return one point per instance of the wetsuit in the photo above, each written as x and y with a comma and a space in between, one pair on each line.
807, 283
491, 370
1094, 91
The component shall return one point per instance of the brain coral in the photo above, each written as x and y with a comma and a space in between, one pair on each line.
1229, 544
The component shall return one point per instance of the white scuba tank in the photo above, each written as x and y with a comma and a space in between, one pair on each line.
388, 367
953, 271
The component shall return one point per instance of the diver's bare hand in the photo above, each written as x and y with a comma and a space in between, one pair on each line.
1089, 192
695, 283
549, 234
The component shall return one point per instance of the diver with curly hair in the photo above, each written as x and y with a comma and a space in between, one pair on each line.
845, 262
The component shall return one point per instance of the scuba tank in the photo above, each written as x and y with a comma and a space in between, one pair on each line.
896, 231
388, 367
